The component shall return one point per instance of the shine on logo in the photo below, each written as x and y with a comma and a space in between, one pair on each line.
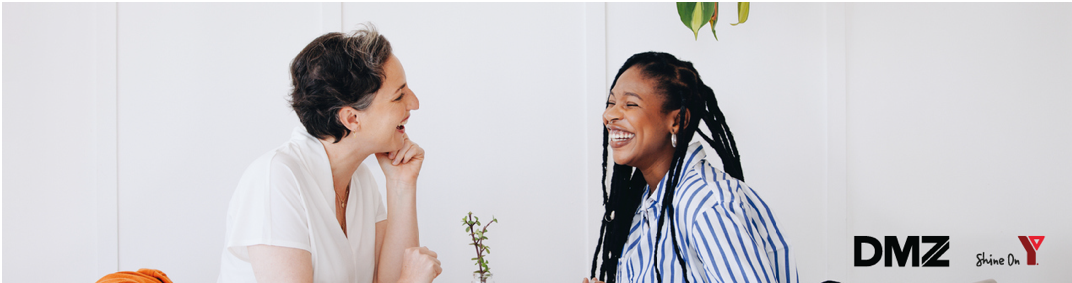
1031, 244
894, 249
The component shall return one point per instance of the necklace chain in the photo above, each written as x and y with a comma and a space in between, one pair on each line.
341, 201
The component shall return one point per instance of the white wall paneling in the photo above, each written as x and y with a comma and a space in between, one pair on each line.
501, 89
595, 97
106, 152
202, 92
959, 125
838, 252
332, 16
50, 201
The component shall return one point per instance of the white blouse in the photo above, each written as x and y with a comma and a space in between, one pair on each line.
286, 198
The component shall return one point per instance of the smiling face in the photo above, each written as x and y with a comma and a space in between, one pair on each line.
382, 124
639, 129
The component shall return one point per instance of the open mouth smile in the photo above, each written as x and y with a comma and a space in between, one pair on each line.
619, 138
402, 126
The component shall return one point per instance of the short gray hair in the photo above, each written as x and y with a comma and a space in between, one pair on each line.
335, 71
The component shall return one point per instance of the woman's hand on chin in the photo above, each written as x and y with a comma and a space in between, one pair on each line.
403, 165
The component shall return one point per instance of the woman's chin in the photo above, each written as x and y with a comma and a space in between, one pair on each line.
622, 160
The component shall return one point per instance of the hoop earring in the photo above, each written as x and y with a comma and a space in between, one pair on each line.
673, 140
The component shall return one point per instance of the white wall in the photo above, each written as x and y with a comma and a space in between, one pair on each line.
49, 154
959, 124
202, 92
839, 114
501, 96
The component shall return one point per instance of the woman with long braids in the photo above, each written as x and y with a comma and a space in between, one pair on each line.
670, 215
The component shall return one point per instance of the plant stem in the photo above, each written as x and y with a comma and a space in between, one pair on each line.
477, 245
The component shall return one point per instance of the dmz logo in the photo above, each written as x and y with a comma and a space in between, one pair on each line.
901, 252
1031, 244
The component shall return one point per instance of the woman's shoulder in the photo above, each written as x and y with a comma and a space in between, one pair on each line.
702, 174
300, 154
283, 157
273, 169
704, 187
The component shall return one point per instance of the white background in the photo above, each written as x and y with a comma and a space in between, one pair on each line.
129, 124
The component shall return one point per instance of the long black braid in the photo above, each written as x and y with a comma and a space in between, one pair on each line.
680, 83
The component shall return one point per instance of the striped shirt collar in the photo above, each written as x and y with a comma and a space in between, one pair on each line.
653, 202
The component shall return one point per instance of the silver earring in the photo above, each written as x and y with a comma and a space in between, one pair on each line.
673, 140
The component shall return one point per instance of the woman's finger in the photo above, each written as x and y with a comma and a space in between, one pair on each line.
438, 269
429, 252
406, 150
413, 151
401, 152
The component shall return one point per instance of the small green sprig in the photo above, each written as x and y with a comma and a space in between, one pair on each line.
472, 225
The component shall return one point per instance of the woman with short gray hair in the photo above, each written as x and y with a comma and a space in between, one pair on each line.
310, 211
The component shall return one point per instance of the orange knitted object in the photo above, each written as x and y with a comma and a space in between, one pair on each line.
143, 275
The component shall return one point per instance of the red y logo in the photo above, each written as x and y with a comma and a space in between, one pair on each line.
1031, 244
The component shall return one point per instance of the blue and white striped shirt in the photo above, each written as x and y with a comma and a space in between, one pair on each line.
725, 232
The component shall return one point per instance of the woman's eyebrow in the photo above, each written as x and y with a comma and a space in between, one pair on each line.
627, 93
633, 95
401, 87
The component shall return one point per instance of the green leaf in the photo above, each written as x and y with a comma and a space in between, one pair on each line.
695, 15
742, 13
698, 20
714, 19
687, 10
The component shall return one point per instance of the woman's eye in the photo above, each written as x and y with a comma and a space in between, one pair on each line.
609, 104
631, 104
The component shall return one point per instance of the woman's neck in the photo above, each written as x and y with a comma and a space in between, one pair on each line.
654, 172
344, 158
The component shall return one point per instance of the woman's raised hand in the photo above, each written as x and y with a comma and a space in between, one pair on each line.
419, 265
403, 165
594, 280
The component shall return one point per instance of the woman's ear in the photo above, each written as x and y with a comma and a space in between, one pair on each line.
350, 118
675, 118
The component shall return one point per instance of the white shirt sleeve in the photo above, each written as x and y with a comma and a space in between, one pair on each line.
268, 210
381, 210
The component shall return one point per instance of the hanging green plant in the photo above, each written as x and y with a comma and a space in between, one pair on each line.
697, 14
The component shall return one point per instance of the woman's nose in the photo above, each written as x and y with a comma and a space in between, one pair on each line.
611, 114
414, 103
